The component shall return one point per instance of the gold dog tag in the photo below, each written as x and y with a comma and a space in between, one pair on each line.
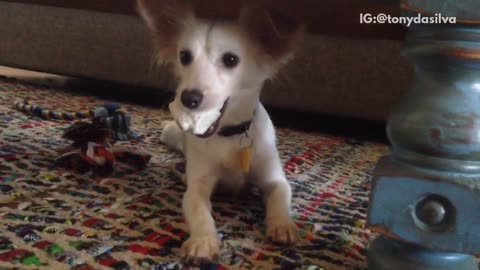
245, 158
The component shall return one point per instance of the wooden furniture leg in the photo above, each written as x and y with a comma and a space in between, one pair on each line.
425, 199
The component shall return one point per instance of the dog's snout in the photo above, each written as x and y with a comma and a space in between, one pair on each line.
192, 99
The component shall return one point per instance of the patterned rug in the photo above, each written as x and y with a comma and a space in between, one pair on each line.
55, 219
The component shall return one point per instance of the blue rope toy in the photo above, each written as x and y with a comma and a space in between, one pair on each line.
110, 115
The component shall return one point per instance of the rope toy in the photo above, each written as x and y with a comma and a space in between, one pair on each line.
111, 115
93, 143
93, 149
30, 108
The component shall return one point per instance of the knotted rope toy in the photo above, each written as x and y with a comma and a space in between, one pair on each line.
111, 115
93, 143
93, 149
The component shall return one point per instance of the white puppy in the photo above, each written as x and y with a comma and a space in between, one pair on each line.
221, 126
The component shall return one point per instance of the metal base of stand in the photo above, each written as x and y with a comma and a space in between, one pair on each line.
388, 254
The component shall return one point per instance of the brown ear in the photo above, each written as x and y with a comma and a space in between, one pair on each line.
277, 34
165, 18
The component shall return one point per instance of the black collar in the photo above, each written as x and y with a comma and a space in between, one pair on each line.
228, 131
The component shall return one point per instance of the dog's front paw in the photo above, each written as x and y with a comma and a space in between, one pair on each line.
199, 249
172, 135
282, 230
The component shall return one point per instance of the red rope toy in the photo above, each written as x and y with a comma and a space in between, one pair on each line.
93, 149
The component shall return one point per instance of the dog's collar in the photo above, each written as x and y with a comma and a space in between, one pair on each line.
232, 130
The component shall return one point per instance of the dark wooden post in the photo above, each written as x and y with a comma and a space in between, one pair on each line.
425, 196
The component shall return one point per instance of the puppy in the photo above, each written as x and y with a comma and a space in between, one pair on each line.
220, 125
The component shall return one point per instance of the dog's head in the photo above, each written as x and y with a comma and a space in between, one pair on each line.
220, 63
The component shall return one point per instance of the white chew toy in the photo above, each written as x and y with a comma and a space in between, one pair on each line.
196, 122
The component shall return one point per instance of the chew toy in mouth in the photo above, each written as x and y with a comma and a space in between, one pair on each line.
213, 128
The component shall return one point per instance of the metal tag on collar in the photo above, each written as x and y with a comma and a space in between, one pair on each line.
246, 147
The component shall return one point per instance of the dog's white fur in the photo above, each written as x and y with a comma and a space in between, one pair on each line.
213, 161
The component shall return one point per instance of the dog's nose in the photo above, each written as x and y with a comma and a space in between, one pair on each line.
191, 98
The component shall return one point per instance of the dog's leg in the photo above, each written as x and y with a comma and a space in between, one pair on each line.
272, 181
280, 227
172, 135
203, 243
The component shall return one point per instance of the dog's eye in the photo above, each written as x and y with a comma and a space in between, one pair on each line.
186, 57
230, 60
